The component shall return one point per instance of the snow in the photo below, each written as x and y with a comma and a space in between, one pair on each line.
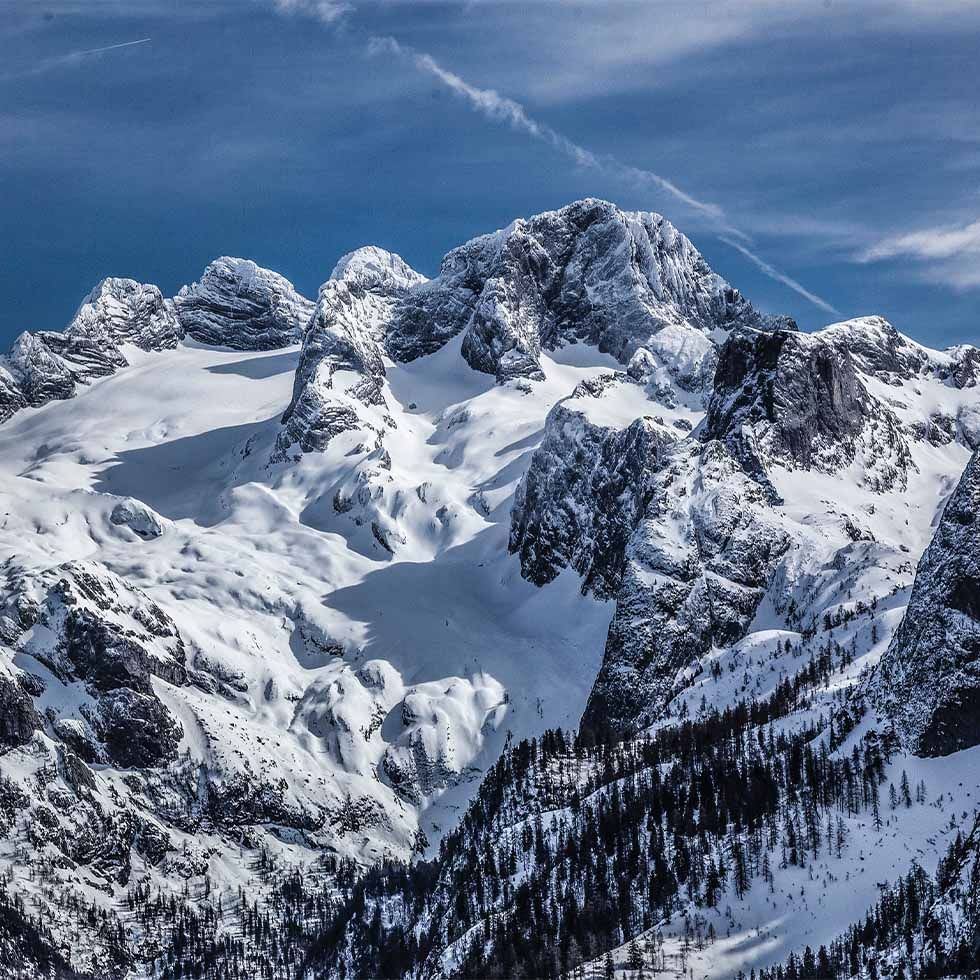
268, 583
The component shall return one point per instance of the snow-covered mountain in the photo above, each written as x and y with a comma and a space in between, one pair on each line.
566, 571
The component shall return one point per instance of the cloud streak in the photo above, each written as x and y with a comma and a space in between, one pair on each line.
946, 254
328, 11
498, 108
928, 244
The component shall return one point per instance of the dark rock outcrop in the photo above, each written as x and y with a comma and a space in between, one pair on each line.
238, 304
797, 401
582, 496
18, 717
137, 729
85, 624
966, 366
929, 678
697, 567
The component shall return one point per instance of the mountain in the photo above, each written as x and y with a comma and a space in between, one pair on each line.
930, 674
553, 615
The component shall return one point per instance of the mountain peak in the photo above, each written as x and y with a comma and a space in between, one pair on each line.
371, 267
238, 304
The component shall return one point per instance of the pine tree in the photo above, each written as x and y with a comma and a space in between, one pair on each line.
634, 957
906, 789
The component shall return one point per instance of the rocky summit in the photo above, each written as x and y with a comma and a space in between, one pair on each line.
562, 614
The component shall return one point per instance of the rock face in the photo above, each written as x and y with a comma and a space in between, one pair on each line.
122, 310
241, 305
629, 283
341, 369
929, 679
588, 272
46, 365
877, 348
585, 491
797, 401
697, 566
18, 717
142, 520
84, 624
966, 366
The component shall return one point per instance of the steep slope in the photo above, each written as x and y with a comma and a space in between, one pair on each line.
588, 485
241, 305
929, 680
589, 273
344, 340
806, 460
796, 401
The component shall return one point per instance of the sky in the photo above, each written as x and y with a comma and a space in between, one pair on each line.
823, 156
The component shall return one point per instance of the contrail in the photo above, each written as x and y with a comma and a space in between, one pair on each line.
499, 108
109, 47
71, 58
773, 273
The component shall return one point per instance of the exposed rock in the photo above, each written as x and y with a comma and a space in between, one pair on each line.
110, 634
11, 397
125, 311
582, 496
588, 272
877, 348
966, 366
697, 567
138, 517
372, 270
42, 375
796, 400
929, 679
18, 717
85, 624
46, 366
137, 729
241, 305
341, 369
240, 801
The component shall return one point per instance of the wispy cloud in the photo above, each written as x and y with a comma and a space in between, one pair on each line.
328, 11
948, 255
499, 108
927, 244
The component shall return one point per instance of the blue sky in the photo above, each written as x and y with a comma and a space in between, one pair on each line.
821, 155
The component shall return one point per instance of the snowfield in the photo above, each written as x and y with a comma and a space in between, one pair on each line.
313, 625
